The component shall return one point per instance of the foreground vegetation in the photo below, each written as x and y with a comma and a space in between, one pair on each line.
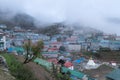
32, 50
17, 69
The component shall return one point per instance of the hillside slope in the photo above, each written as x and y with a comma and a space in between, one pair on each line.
39, 72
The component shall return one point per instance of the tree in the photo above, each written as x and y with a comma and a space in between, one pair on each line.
54, 71
32, 50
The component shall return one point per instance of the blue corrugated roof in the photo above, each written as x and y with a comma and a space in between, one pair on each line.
79, 60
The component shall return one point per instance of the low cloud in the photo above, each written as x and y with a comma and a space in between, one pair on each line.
99, 14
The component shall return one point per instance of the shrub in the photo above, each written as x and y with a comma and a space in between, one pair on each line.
105, 49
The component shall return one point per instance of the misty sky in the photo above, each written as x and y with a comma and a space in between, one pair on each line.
100, 14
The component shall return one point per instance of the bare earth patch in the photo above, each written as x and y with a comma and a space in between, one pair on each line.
100, 72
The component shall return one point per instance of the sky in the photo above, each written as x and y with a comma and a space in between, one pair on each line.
99, 14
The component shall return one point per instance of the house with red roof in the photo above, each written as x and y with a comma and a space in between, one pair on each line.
69, 65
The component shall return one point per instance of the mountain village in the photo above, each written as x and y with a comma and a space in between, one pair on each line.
79, 52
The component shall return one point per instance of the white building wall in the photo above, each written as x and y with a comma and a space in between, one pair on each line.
3, 41
75, 47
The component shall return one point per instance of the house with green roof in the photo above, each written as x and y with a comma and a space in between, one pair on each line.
50, 54
44, 63
73, 72
114, 75
76, 74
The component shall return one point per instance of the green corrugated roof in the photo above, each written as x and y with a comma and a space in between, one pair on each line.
94, 40
50, 53
19, 49
73, 72
115, 42
115, 75
42, 62
48, 65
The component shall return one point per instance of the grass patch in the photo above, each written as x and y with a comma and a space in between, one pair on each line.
17, 69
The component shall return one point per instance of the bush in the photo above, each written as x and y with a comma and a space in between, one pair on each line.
63, 76
105, 49
17, 69
97, 55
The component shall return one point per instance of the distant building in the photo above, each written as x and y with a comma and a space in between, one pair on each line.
94, 45
112, 44
104, 43
3, 26
74, 47
50, 54
2, 42
17, 28
69, 65
118, 38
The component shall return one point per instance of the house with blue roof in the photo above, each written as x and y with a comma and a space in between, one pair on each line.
80, 60
19, 50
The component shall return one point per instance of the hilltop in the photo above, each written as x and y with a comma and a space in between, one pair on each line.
17, 19
25, 21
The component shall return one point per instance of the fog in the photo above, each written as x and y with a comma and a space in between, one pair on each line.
100, 14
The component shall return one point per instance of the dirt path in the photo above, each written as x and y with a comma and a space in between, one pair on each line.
4, 72
39, 72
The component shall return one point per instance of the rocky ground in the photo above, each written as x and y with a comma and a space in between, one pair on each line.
4, 72
5, 75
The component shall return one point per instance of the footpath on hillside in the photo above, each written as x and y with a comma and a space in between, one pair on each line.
4, 73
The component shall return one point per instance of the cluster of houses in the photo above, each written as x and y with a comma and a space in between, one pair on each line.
76, 42
60, 46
